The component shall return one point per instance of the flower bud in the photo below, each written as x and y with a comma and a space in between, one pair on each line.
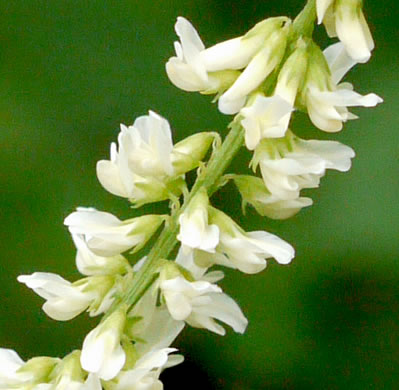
195, 232
38, 368
102, 353
188, 153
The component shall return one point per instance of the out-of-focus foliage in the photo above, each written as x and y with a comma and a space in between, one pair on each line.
71, 71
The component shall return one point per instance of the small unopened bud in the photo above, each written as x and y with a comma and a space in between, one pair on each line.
39, 368
188, 153
102, 353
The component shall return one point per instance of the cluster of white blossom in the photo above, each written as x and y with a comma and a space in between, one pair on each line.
263, 77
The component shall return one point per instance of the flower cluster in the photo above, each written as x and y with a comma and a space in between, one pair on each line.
263, 77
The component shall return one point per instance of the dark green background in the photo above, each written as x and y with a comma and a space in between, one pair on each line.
71, 71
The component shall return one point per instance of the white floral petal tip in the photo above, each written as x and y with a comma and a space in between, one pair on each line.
231, 107
338, 61
102, 353
195, 232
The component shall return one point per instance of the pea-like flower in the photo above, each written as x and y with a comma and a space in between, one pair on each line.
246, 251
106, 235
15, 373
145, 166
291, 164
325, 100
199, 301
66, 300
88, 263
269, 116
254, 192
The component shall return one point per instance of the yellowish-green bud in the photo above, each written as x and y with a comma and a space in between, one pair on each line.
266, 27
69, 366
292, 74
188, 153
39, 367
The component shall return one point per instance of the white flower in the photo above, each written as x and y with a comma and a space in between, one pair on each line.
65, 300
326, 101
293, 164
345, 19
195, 233
102, 353
145, 167
199, 303
146, 371
265, 118
254, 192
106, 235
136, 170
247, 251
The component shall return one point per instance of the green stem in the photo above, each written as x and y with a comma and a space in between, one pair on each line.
166, 241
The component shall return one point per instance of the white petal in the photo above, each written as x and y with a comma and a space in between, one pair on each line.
225, 309
354, 33
256, 71
232, 54
108, 175
273, 246
338, 60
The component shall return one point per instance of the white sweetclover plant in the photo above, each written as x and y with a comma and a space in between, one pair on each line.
263, 77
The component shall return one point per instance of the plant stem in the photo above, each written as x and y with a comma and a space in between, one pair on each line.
166, 241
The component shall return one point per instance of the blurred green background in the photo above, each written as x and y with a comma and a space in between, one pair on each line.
71, 71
